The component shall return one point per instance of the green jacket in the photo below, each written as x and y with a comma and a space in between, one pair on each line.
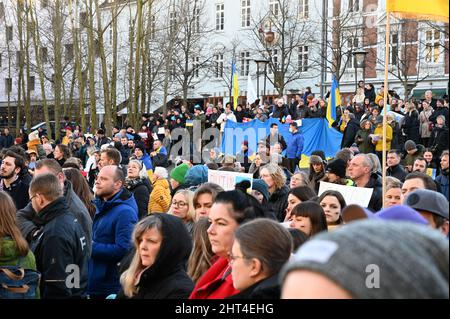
9, 255
364, 141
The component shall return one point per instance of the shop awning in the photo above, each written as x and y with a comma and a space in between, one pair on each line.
420, 93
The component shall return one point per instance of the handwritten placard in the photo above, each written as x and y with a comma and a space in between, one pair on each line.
228, 180
352, 195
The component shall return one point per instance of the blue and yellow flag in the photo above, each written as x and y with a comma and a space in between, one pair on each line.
235, 85
333, 101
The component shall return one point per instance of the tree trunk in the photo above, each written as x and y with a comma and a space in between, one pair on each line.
36, 42
57, 42
106, 93
114, 64
137, 64
91, 65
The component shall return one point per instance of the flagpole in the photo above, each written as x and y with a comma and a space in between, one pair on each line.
385, 92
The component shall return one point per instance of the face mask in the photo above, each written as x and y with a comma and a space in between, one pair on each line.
291, 130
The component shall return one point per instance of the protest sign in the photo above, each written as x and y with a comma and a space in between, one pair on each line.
228, 180
352, 195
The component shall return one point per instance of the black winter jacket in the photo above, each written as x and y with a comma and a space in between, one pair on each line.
278, 202
350, 133
26, 217
397, 171
141, 189
376, 201
60, 243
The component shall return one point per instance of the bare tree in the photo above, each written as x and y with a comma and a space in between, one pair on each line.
278, 34
190, 59
404, 55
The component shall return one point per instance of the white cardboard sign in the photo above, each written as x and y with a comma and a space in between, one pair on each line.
352, 195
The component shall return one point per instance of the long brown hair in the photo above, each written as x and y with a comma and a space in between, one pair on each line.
81, 188
8, 224
201, 257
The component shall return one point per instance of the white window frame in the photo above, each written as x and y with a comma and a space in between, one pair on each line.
395, 47
220, 16
432, 46
303, 57
303, 9
245, 13
245, 63
218, 60
274, 9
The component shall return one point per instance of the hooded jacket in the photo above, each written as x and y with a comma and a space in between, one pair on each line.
160, 197
60, 243
26, 216
167, 277
113, 225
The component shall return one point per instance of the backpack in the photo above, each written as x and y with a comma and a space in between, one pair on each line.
17, 282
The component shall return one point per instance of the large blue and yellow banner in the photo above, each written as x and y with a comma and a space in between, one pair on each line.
317, 135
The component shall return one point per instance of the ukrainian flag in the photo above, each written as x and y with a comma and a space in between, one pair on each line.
333, 101
235, 85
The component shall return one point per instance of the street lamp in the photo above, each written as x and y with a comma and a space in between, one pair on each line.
261, 65
359, 62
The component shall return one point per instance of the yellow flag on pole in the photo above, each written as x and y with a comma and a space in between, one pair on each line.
434, 10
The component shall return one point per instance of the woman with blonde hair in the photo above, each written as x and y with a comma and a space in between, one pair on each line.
393, 195
275, 179
157, 268
182, 206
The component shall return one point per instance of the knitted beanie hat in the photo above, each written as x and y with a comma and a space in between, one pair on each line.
337, 167
179, 172
412, 261
410, 145
261, 186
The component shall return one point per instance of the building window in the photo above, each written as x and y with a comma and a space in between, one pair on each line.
432, 46
393, 56
196, 20
68, 52
0, 60
9, 33
220, 17
245, 13
274, 8
44, 55
303, 58
8, 85
303, 9
245, 63
219, 65
196, 66
172, 21
352, 43
31, 80
353, 5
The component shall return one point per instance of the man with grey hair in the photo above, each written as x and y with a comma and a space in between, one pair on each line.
360, 171
429, 99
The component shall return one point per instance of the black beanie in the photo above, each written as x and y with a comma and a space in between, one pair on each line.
337, 167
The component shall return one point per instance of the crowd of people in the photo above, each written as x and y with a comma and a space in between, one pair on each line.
140, 222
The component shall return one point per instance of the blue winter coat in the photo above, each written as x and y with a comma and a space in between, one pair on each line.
295, 146
113, 225
442, 180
